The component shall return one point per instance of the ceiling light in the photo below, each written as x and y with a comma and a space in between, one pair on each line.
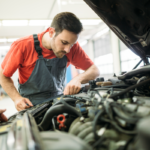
44, 22
58, 1
14, 22
40, 22
64, 3
12, 39
90, 21
3, 40
4, 47
76, 2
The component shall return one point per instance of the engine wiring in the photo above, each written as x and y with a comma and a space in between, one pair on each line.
103, 111
68, 106
129, 88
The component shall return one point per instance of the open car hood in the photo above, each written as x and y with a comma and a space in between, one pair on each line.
129, 19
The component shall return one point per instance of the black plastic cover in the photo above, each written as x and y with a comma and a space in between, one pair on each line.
129, 19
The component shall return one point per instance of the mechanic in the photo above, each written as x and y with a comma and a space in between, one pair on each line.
42, 60
3, 118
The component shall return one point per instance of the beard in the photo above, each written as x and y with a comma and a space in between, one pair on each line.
60, 54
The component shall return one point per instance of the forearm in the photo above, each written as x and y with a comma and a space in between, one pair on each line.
8, 85
74, 85
90, 74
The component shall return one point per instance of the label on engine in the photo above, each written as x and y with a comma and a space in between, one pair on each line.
4, 129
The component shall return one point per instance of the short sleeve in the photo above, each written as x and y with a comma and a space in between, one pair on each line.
79, 58
13, 59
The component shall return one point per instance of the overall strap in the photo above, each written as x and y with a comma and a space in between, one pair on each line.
37, 45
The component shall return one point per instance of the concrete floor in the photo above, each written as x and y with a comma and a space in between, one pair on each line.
8, 104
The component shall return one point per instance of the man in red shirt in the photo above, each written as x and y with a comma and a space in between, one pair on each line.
41, 61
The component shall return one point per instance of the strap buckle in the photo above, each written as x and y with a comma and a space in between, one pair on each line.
37, 45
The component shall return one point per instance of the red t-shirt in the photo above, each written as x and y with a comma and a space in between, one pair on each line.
22, 56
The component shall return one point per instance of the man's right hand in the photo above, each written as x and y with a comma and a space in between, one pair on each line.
2, 116
22, 103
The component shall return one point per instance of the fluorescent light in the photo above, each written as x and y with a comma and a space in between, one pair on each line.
40, 22
76, 2
64, 3
4, 47
58, 1
15, 22
71, 2
3, 40
102, 32
12, 39
43, 22
0, 23
90, 21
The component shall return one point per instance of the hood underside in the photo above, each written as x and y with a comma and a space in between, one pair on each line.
129, 19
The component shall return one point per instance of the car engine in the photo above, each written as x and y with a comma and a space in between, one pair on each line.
111, 114
105, 115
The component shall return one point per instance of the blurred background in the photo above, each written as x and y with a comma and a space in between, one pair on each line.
19, 18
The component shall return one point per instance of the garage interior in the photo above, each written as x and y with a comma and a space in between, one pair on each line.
21, 21
97, 40
20, 18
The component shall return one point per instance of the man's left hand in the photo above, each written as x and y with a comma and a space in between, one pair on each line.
73, 87
2, 116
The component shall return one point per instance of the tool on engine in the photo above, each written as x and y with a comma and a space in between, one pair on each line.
61, 119
93, 83
106, 83
100, 79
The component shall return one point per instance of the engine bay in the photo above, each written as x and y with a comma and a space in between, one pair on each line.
111, 114
105, 115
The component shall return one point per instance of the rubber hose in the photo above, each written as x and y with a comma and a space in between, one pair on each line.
95, 122
130, 88
126, 110
131, 120
54, 111
118, 128
67, 100
98, 142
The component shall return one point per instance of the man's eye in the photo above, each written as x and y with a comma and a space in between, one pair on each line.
64, 43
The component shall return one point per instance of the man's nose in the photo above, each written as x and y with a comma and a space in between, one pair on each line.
67, 48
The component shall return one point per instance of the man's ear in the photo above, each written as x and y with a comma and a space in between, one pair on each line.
51, 32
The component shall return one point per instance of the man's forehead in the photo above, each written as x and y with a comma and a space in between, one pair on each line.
68, 37
68, 41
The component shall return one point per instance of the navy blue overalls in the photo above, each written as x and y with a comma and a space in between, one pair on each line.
47, 79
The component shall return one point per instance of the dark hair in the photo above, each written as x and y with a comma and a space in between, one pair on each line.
67, 21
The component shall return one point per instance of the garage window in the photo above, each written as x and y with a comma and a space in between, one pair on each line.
103, 56
127, 57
